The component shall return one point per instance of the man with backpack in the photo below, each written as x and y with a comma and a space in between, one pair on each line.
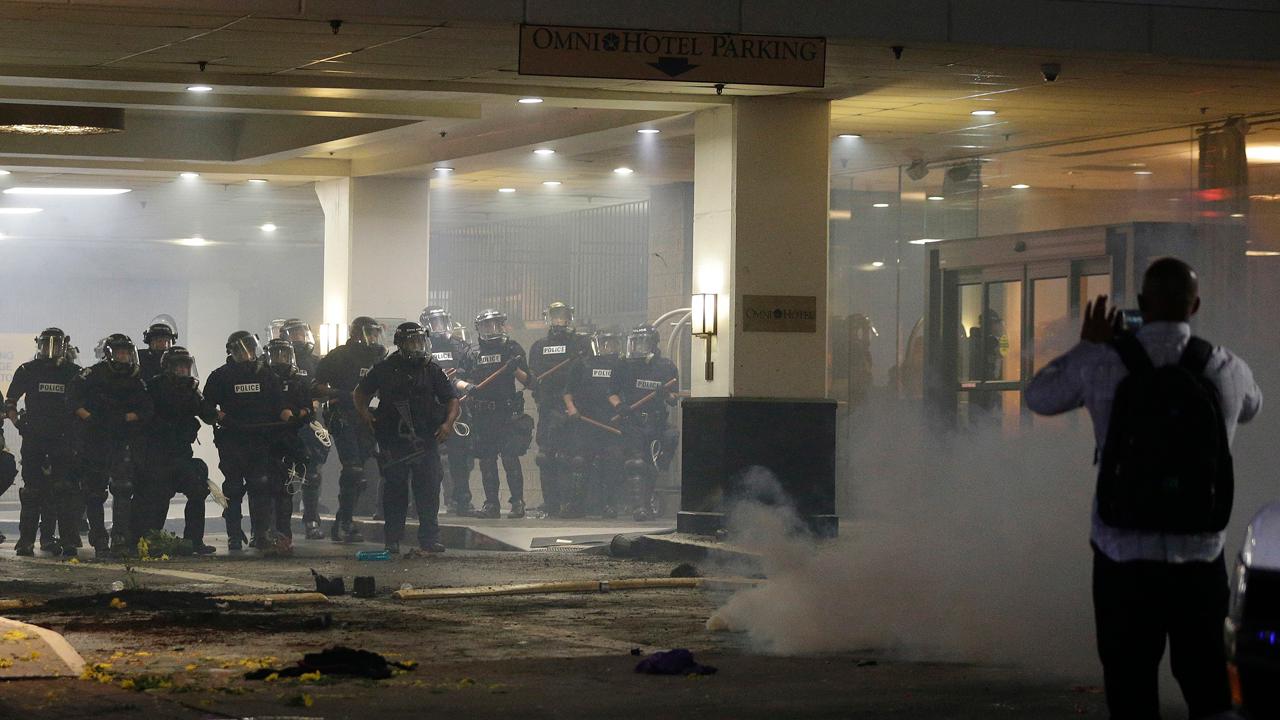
1165, 406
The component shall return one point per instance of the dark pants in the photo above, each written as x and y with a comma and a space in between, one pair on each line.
355, 447
422, 476
49, 488
317, 454
243, 459
554, 457
106, 465
494, 435
165, 475
1136, 606
457, 490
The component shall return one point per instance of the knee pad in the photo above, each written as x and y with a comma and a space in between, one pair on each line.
353, 475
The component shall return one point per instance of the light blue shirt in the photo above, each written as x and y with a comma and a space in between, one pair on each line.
1087, 376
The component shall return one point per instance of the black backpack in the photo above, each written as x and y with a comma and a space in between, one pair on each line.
1166, 466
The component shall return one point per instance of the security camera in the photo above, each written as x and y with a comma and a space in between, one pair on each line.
917, 169
1050, 71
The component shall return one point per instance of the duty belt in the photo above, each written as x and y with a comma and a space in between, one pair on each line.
487, 405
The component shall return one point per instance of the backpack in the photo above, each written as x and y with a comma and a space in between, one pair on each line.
1166, 465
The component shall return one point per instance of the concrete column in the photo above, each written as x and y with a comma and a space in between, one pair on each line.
376, 247
761, 191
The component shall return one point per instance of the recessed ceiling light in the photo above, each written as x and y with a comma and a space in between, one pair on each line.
1143, 172
648, 131
1020, 186
506, 190
444, 170
188, 175
623, 171
880, 205
544, 151
1237, 215
848, 136
4, 172
936, 197
268, 227
193, 241
551, 183
529, 100
878, 263
924, 241
983, 113
64, 191
258, 181
199, 88
19, 211
1262, 253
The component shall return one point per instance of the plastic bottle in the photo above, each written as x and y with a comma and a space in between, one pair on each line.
373, 555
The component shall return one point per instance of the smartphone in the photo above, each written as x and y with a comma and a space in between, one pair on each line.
1130, 320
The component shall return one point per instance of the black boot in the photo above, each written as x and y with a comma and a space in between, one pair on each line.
490, 511
28, 521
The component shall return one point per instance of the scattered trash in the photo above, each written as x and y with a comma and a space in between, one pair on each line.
337, 660
673, 662
635, 652
685, 570
373, 555
718, 623
406, 586
329, 586
866, 663
117, 586
365, 587
162, 545
118, 604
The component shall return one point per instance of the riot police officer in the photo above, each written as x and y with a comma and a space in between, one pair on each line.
591, 400
337, 376
499, 427
289, 458
159, 337
315, 437
652, 384
48, 479
170, 466
454, 356
417, 406
549, 359
244, 398
8, 467
112, 404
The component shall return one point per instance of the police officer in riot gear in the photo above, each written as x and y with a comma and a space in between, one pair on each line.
48, 478
549, 359
289, 457
315, 437
159, 337
591, 400
337, 376
170, 466
417, 406
112, 405
245, 400
8, 467
499, 427
454, 357
651, 385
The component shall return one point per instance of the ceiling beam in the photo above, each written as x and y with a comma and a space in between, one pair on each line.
296, 168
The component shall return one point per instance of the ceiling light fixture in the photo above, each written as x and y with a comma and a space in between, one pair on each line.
1262, 253
551, 183
880, 205
199, 88
1021, 186
877, 264
23, 119
623, 171
983, 113
4, 172
529, 100
935, 198
64, 191
193, 241
258, 181
848, 136
924, 241
189, 175
544, 151
268, 227
1237, 215
19, 211
1143, 172
506, 190
444, 170
648, 131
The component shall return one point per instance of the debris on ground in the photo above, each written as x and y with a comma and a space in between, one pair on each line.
673, 662
718, 623
162, 545
329, 586
686, 570
337, 660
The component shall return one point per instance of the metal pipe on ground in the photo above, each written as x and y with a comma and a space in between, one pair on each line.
575, 586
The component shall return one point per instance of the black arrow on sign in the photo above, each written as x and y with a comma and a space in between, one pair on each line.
672, 66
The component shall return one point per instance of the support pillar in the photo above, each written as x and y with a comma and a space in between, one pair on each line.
761, 190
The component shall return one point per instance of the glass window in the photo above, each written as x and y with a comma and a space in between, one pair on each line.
970, 320
1051, 322
1000, 332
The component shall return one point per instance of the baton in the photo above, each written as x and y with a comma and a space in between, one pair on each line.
636, 405
598, 424
554, 368
489, 379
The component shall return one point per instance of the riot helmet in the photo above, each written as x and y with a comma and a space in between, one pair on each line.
275, 329
178, 362
559, 318
52, 344
642, 343
299, 333
413, 341
607, 342
436, 320
491, 326
120, 354
159, 336
458, 331
366, 331
242, 346
281, 356
100, 350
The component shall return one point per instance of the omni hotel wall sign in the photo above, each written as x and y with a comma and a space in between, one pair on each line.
681, 56
780, 313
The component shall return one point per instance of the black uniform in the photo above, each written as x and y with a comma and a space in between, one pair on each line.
413, 399
48, 476
342, 370
317, 451
549, 359
647, 425
499, 427
290, 459
454, 358
149, 363
109, 447
170, 466
595, 454
250, 396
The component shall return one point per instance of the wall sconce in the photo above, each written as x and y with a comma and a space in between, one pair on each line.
331, 336
702, 323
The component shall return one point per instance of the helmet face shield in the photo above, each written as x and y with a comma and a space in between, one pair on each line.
179, 365
415, 345
244, 349
281, 354
160, 342
367, 333
641, 346
299, 333
438, 323
606, 344
120, 354
493, 328
559, 315
51, 347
